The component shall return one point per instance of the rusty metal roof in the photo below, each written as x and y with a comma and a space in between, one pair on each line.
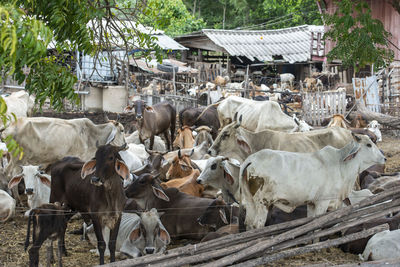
293, 44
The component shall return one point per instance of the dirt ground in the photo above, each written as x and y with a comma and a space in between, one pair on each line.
13, 232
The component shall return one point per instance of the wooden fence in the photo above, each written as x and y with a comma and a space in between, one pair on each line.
180, 102
320, 105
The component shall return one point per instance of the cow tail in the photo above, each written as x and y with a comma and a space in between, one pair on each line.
172, 126
28, 233
242, 210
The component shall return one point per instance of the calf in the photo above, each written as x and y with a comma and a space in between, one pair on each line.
138, 234
49, 222
181, 167
184, 138
186, 184
95, 189
373, 126
338, 120
180, 210
218, 214
37, 185
358, 122
382, 246
7, 206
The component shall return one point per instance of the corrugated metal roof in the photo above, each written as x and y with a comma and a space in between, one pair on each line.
293, 44
167, 43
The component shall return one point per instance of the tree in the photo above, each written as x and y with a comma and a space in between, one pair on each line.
171, 16
29, 27
360, 40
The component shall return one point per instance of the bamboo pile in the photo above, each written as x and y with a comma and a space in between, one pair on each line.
271, 243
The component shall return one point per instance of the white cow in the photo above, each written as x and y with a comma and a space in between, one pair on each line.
46, 140
382, 246
7, 206
222, 173
137, 235
19, 103
301, 126
287, 78
159, 144
288, 179
37, 185
256, 115
132, 161
140, 151
373, 126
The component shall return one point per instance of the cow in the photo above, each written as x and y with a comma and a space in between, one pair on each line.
184, 138
383, 183
186, 184
41, 137
181, 166
382, 246
373, 126
153, 120
203, 135
221, 81
49, 221
358, 246
37, 185
200, 116
222, 173
358, 122
301, 126
257, 115
234, 141
19, 103
138, 234
266, 181
7, 206
93, 188
338, 120
181, 210
232, 228
159, 144
287, 78
132, 161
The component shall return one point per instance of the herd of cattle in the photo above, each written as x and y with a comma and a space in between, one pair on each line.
239, 164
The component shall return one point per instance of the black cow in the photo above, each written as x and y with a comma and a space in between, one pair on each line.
95, 189
199, 116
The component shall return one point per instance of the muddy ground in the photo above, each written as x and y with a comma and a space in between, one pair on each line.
12, 234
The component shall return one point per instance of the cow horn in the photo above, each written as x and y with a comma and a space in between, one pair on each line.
235, 116
191, 152
179, 153
123, 147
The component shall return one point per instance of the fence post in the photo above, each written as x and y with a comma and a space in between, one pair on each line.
246, 83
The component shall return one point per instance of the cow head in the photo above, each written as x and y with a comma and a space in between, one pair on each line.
229, 139
362, 152
145, 188
219, 171
216, 215
33, 178
140, 107
184, 138
181, 166
148, 235
107, 166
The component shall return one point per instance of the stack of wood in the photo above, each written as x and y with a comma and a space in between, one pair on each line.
271, 243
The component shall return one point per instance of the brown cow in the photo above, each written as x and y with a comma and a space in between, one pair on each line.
184, 138
181, 210
358, 122
186, 184
340, 121
384, 183
153, 120
99, 197
181, 167
201, 116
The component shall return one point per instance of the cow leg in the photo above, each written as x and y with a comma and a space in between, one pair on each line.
50, 254
60, 250
151, 142
61, 240
113, 239
168, 141
101, 245
34, 250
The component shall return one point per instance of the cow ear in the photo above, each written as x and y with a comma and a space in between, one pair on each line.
223, 216
88, 168
135, 234
45, 180
243, 145
15, 181
121, 169
353, 152
227, 173
164, 236
355, 137
149, 109
160, 194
